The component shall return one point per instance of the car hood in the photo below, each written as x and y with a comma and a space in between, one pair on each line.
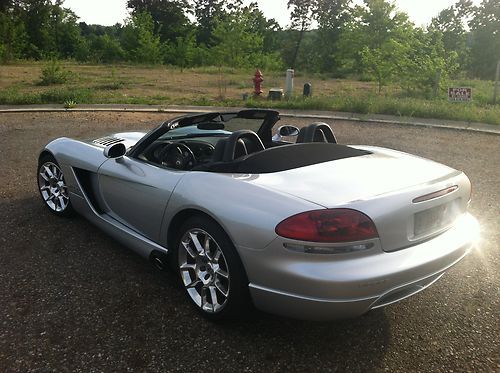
349, 180
128, 138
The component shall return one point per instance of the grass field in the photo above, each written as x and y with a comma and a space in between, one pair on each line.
160, 85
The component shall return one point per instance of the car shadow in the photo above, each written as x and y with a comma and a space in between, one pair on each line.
119, 288
335, 344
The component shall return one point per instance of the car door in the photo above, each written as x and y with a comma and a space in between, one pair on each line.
136, 193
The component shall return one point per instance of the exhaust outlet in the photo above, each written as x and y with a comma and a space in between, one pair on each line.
158, 263
159, 259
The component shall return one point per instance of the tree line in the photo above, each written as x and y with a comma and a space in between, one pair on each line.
373, 40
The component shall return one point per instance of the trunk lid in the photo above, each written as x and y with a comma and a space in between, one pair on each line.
382, 185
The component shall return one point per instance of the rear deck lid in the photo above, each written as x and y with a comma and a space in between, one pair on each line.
385, 185
357, 178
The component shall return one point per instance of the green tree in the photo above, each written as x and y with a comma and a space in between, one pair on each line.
237, 45
301, 18
49, 28
100, 43
181, 52
381, 62
332, 17
451, 23
267, 28
426, 65
36, 18
395, 51
5, 5
64, 29
208, 13
107, 49
169, 16
140, 41
382, 35
13, 38
485, 49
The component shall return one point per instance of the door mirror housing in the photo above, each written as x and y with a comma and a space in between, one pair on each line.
115, 151
286, 131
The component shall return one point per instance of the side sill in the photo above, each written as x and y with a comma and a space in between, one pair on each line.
138, 243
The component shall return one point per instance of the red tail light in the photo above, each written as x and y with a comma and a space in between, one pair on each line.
333, 225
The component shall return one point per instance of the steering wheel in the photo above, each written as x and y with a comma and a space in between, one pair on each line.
177, 155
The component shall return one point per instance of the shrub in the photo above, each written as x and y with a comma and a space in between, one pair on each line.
70, 104
53, 73
11, 96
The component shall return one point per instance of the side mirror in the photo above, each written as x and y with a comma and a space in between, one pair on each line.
286, 131
115, 150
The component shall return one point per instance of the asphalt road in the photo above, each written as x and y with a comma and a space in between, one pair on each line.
73, 299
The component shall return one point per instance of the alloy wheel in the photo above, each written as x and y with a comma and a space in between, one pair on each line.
52, 186
204, 270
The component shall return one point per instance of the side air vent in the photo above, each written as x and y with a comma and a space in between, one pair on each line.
88, 183
106, 141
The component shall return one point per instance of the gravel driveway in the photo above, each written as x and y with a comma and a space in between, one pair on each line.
73, 299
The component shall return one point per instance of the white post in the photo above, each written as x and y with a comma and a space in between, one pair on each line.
497, 76
289, 83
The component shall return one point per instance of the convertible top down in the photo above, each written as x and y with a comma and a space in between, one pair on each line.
251, 213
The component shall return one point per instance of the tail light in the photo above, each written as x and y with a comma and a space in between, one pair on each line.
329, 225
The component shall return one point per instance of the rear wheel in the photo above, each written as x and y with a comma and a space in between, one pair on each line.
210, 270
52, 186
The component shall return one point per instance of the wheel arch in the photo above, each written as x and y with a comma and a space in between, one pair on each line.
45, 153
182, 216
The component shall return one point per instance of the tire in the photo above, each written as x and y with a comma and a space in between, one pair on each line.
52, 187
210, 270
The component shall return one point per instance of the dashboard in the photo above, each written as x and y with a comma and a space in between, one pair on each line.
202, 149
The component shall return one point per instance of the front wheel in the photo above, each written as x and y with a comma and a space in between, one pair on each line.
52, 186
210, 270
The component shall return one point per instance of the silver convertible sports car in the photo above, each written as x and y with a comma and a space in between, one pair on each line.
247, 212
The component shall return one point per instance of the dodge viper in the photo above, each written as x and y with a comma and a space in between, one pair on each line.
249, 213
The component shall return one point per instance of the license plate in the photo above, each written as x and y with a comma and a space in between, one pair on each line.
436, 218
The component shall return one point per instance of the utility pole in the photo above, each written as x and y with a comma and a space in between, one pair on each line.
497, 76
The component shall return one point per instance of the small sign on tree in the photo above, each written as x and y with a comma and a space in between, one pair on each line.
460, 94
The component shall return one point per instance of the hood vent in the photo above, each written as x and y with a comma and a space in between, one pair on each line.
106, 141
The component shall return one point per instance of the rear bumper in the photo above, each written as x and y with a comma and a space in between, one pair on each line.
320, 287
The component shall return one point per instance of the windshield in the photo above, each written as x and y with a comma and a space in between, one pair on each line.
222, 125
257, 120
191, 131
236, 124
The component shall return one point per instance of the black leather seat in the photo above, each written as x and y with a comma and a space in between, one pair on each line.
218, 153
316, 132
241, 143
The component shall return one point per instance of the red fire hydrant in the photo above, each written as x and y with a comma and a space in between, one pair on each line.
257, 80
